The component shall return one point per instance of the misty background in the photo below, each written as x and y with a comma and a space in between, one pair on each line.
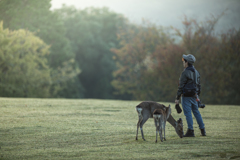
166, 13
108, 49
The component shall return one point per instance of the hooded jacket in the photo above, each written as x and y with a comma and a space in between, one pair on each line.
186, 77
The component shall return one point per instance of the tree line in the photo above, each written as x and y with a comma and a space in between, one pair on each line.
97, 53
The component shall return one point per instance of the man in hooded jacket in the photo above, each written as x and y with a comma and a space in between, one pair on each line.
189, 78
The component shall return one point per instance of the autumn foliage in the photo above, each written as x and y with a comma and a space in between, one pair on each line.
149, 61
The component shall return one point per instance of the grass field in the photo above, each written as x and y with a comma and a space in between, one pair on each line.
106, 129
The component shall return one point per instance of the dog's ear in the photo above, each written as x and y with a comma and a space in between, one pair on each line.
180, 120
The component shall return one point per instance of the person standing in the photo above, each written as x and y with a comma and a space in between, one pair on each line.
190, 88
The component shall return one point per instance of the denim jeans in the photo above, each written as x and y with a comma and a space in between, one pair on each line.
190, 104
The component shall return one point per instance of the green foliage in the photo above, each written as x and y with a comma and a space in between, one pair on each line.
24, 71
93, 32
65, 81
36, 16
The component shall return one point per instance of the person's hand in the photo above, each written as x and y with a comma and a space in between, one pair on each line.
177, 101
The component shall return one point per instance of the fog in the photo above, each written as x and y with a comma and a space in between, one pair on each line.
167, 13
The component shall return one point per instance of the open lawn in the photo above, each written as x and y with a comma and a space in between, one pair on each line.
106, 129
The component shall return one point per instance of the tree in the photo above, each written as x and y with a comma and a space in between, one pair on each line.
149, 62
167, 71
136, 62
24, 71
214, 54
36, 16
93, 32
229, 52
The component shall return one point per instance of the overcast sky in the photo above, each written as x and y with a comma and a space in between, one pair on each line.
166, 12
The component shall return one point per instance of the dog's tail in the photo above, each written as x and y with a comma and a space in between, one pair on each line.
139, 111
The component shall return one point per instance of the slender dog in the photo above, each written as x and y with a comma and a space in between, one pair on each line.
145, 111
160, 117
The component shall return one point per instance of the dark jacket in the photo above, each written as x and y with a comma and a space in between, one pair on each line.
186, 77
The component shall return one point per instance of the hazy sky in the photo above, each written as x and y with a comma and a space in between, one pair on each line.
166, 12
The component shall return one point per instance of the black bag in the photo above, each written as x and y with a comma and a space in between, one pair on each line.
190, 89
178, 108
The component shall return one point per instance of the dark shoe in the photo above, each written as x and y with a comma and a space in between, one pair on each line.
203, 132
190, 133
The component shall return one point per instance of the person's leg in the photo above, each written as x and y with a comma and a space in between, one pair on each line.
197, 114
187, 108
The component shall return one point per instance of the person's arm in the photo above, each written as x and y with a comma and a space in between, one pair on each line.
199, 85
182, 82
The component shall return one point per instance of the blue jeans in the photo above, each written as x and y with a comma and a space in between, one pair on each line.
190, 104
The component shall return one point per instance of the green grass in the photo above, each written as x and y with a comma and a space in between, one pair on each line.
106, 129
